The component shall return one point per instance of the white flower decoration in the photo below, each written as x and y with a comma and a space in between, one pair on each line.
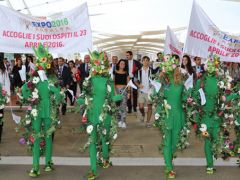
237, 123
86, 101
109, 107
89, 129
102, 67
109, 89
28, 121
226, 116
221, 84
157, 116
36, 80
115, 136
104, 131
1, 115
20, 96
203, 128
7, 100
223, 105
2, 106
230, 116
166, 104
229, 78
101, 117
34, 112
35, 95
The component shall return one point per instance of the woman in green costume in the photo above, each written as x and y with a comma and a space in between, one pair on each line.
40, 121
208, 119
99, 99
170, 115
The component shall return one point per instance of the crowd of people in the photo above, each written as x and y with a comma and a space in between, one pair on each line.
128, 83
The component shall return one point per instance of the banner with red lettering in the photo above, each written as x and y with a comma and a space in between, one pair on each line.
204, 38
69, 32
172, 45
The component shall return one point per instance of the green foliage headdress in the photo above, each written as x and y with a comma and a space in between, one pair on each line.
99, 64
169, 64
212, 64
43, 61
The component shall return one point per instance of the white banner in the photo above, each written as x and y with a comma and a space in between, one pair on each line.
69, 32
172, 45
204, 38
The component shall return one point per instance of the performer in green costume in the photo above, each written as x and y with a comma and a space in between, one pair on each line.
42, 96
99, 99
207, 119
170, 116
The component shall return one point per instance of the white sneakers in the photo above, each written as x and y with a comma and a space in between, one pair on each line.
122, 125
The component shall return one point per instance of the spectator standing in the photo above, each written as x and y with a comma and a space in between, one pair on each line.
75, 77
65, 80
132, 68
113, 65
84, 70
121, 80
17, 81
187, 66
234, 71
143, 83
199, 67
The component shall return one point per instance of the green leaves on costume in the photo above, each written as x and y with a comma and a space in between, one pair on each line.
43, 57
41, 52
212, 65
169, 64
99, 64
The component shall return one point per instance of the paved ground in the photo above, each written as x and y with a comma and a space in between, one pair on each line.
135, 141
12, 172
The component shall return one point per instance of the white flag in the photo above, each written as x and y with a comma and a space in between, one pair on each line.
32, 66
16, 118
22, 75
130, 83
68, 32
156, 85
204, 38
202, 95
172, 44
71, 92
42, 75
189, 82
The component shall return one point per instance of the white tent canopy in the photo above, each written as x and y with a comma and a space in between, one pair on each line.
137, 25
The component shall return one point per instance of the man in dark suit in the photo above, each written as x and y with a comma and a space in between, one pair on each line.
133, 66
199, 67
113, 65
65, 80
84, 69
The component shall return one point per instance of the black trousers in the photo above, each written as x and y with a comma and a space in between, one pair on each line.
1, 126
64, 105
73, 87
132, 101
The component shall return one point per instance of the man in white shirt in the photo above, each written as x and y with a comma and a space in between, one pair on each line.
143, 84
